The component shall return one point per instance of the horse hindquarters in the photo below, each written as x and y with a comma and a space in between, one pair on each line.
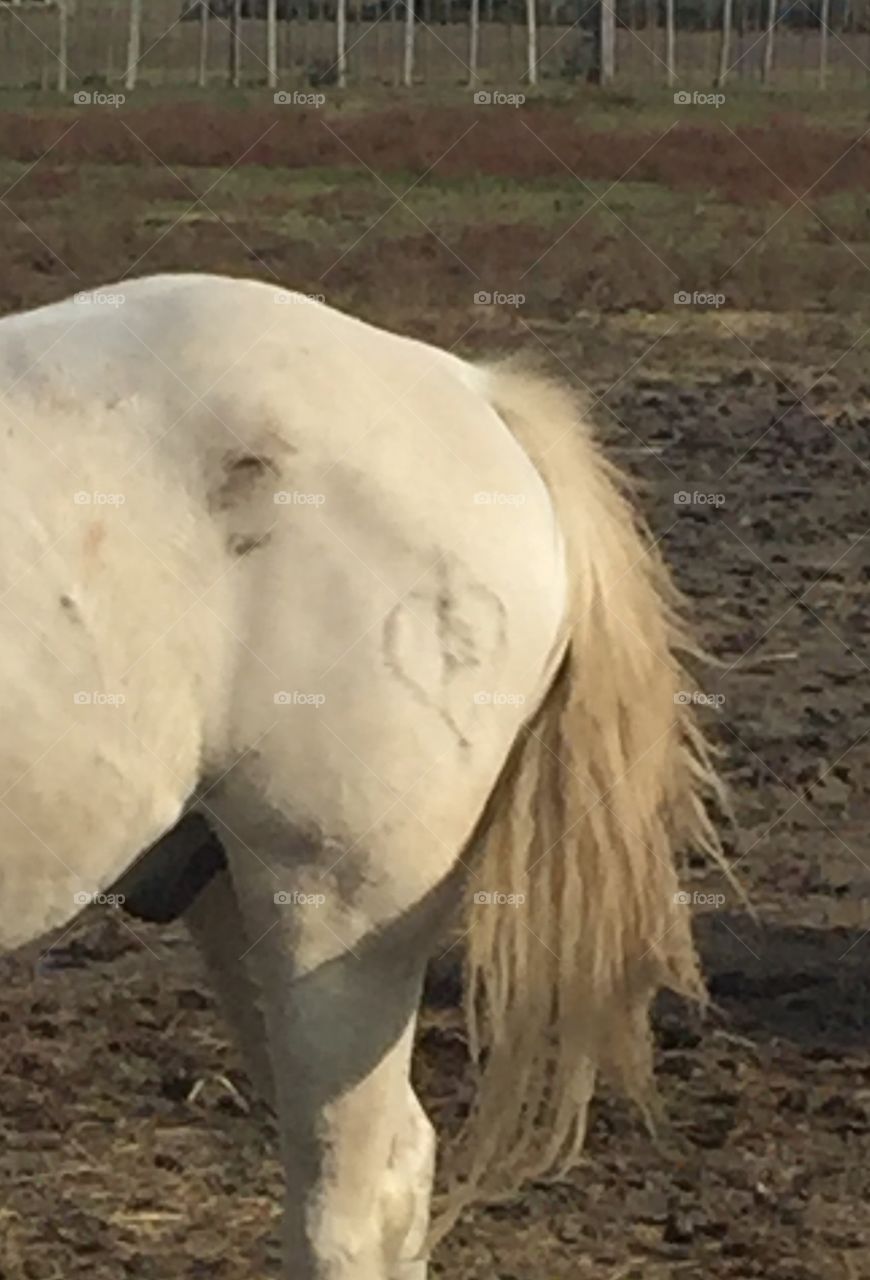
344, 830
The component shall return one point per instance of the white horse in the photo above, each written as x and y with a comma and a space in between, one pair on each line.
385, 618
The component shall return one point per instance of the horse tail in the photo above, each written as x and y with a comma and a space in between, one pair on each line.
609, 782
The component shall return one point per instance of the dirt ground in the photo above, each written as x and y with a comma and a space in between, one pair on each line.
129, 1142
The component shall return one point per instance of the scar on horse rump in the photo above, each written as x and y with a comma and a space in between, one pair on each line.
242, 474
243, 477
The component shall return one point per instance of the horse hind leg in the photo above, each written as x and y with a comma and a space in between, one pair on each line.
216, 924
339, 957
408, 1192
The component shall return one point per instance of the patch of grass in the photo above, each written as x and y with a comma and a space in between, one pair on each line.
696, 212
704, 151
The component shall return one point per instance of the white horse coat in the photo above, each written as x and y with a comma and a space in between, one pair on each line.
264, 560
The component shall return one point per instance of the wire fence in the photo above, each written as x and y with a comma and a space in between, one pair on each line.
75, 44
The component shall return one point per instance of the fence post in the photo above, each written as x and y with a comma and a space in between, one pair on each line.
606, 41
202, 68
473, 42
235, 43
767, 64
272, 43
532, 33
725, 43
408, 64
670, 41
134, 44
824, 24
341, 44
62, 45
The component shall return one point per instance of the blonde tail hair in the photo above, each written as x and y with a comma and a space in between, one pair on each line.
608, 784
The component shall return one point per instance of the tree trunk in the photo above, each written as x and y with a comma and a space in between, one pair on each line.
134, 44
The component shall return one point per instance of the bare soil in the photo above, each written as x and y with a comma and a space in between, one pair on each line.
129, 1142
111, 1168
